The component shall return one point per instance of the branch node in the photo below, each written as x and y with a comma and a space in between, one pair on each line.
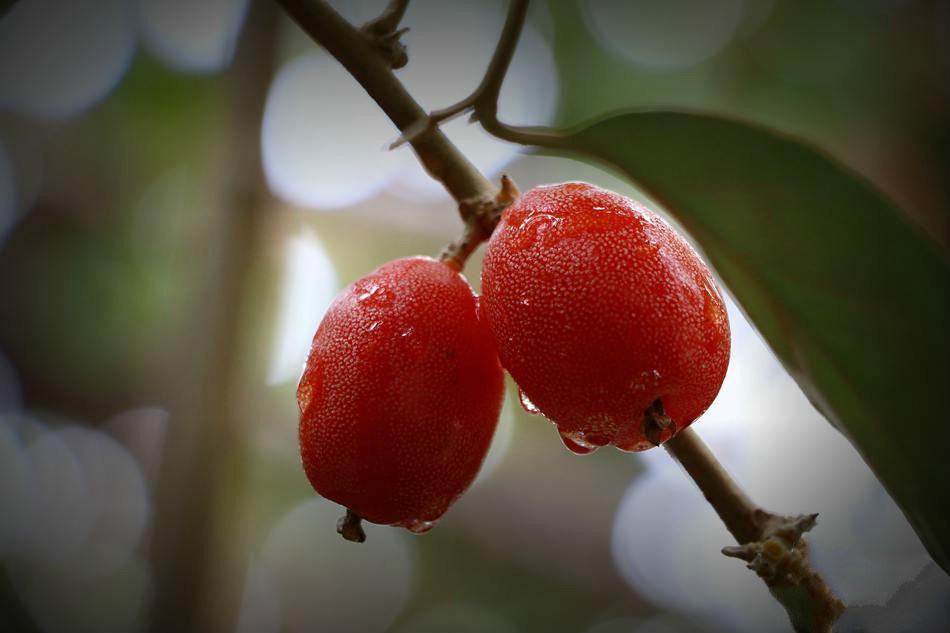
384, 34
482, 215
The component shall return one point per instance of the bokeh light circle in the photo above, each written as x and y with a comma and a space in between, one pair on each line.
309, 286
192, 36
58, 57
60, 517
327, 584
501, 442
449, 53
323, 138
260, 602
142, 431
116, 496
665, 36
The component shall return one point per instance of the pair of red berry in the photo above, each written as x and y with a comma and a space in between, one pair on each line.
606, 318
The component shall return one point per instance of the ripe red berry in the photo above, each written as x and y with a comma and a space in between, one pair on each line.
400, 395
601, 311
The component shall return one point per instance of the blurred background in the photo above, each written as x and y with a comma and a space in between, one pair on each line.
184, 187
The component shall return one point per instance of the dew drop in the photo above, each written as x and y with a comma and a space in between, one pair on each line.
372, 326
418, 526
577, 447
537, 224
408, 331
527, 405
375, 295
368, 292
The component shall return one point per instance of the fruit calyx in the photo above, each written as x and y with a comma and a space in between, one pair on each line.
350, 527
656, 423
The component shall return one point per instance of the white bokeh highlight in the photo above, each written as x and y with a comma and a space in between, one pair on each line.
309, 286
323, 139
116, 496
192, 36
142, 431
75, 508
666, 538
665, 36
325, 584
260, 602
449, 52
59, 57
501, 442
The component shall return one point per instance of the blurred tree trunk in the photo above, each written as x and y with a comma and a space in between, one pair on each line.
204, 450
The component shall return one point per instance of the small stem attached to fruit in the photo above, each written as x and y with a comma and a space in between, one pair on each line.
350, 527
483, 216
655, 422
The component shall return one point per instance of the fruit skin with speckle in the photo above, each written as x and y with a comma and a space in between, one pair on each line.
400, 394
599, 309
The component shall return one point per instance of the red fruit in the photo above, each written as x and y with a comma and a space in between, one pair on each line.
400, 395
599, 310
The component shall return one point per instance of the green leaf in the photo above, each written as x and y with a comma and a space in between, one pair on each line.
853, 298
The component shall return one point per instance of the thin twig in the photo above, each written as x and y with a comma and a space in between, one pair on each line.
440, 158
384, 33
771, 544
388, 21
484, 99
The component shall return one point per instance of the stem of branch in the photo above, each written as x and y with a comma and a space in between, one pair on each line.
484, 99
441, 159
771, 544
732, 505
384, 33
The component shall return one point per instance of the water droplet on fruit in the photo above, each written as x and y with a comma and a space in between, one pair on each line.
372, 326
418, 526
374, 294
407, 331
524, 301
527, 405
538, 225
368, 292
576, 443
